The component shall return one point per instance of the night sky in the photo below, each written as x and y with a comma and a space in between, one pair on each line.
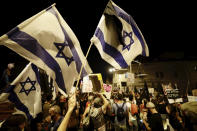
167, 26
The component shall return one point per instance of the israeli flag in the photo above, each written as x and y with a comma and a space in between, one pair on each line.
25, 92
46, 40
117, 37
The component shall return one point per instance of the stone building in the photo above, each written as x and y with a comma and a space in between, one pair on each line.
181, 74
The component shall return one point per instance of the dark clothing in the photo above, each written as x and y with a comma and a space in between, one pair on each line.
54, 126
174, 122
5, 80
161, 108
155, 122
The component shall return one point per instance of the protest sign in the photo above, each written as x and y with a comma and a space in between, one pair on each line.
97, 82
172, 93
107, 87
87, 85
192, 98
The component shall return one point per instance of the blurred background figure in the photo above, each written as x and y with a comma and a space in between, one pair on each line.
6, 77
189, 111
16, 122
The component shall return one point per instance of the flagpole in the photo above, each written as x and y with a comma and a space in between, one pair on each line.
83, 64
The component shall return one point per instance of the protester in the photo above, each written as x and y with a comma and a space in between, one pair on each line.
47, 104
142, 105
56, 117
104, 114
97, 112
16, 122
120, 121
161, 106
71, 106
74, 121
6, 77
189, 111
87, 125
174, 117
133, 114
63, 104
154, 120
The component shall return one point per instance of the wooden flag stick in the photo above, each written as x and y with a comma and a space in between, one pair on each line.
83, 64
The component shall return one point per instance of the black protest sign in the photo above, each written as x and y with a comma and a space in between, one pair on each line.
173, 93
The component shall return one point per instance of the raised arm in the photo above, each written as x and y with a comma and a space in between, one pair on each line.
105, 103
71, 106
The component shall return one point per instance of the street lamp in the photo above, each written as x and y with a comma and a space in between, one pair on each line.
112, 69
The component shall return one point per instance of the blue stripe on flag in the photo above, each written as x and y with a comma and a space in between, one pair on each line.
75, 54
130, 21
19, 105
32, 45
35, 69
110, 50
71, 46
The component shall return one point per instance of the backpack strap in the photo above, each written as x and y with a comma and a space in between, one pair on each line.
123, 104
117, 105
117, 108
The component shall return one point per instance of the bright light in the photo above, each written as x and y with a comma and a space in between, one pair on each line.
111, 69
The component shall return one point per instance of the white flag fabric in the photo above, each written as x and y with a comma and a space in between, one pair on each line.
46, 40
25, 92
117, 37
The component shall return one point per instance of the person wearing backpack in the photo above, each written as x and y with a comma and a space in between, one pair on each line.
120, 110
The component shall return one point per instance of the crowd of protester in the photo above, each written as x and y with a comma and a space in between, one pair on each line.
95, 112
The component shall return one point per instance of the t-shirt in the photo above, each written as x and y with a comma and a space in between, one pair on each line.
155, 122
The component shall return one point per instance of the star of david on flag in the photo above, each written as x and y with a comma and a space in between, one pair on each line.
60, 54
118, 38
46, 40
129, 35
32, 86
25, 92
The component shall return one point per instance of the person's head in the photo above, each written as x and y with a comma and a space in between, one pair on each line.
54, 111
15, 121
120, 96
90, 98
97, 102
62, 98
10, 66
47, 118
151, 107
